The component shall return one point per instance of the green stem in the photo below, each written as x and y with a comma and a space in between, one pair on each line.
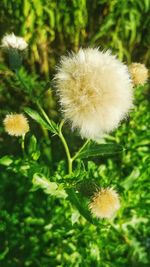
49, 122
78, 152
65, 147
44, 114
23, 144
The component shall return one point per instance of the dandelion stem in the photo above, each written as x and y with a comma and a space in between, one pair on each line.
78, 152
23, 144
45, 115
49, 122
43, 112
63, 140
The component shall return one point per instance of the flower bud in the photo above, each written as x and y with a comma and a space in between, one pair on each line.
16, 124
105, 203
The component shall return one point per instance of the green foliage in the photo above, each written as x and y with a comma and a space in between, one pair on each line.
44, 215
6, 161
50, 188
52, 27
92, 149
34, 223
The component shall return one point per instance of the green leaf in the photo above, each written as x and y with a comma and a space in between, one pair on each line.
6, 160
60, 192
35, 116
36, 155
74, 199
130, 180
93, 149
32, 144
40, 181
33, 149
26, 8
75, 216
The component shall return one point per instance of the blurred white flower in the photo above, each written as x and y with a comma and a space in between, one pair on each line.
105, 203
139, 73
95, 91
13, 41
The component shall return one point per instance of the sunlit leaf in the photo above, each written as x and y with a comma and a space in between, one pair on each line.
93, 149
6, 160
37, 117
128, 182
52, 188
32, 144
75, 216
33, 149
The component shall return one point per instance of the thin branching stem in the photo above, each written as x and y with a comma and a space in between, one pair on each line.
45, 115
60, 134
79, 151
63, 140
23, 144
43, 112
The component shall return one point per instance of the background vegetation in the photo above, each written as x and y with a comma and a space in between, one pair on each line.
37, 229
56, 26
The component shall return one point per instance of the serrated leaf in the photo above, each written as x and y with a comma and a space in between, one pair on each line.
73, 197
60, 192
52, 127
40, 181
93, 149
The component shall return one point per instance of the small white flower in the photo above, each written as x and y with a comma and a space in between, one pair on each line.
14, 42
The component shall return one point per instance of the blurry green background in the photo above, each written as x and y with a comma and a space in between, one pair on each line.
36, 229
54, 27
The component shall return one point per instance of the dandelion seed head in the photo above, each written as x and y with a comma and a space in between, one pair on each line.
105, 203
95, 91
14, 42
16, 124
139, 73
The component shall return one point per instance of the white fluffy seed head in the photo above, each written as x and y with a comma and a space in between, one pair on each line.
139, 73
16, 124
14, 42
95, 91
105, 203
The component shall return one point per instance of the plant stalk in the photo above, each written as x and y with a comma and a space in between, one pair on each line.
65, 147
23, 144
78, 152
